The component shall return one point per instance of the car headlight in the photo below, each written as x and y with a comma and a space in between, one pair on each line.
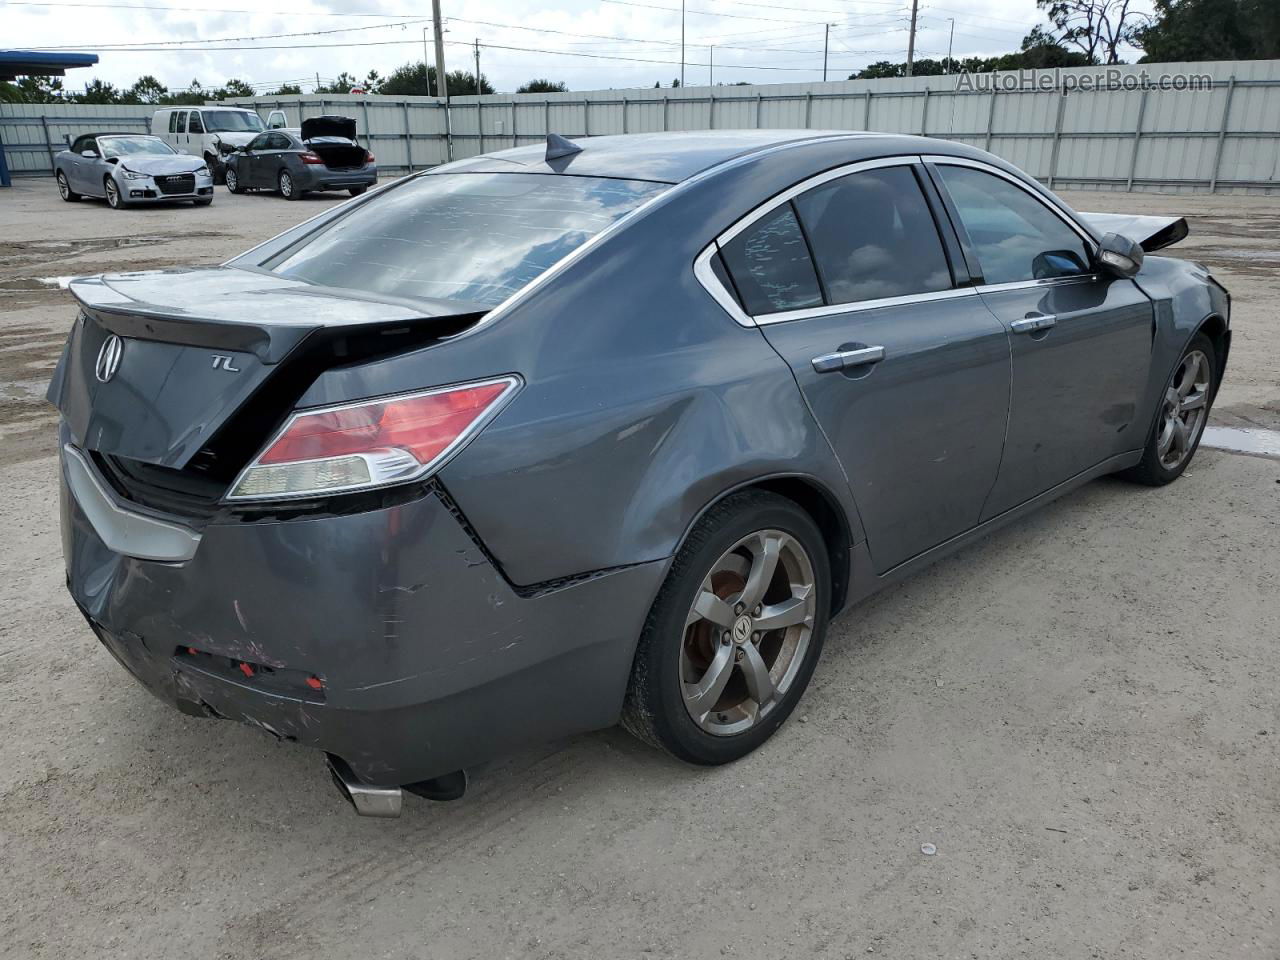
202, 172
132, 175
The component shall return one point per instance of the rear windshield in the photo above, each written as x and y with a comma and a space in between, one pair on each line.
466, 236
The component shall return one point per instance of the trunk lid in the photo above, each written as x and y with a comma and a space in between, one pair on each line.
159, 361
328, 127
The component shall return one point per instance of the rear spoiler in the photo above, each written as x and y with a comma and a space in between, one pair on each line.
1151, 233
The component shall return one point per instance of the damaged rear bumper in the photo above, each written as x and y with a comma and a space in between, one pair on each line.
386, 638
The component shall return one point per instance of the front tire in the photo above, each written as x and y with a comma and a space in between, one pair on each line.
356, 191
112, 193
64, 188
212, 163
232, 180
735, 632
1179, 423
288, 189
203, 202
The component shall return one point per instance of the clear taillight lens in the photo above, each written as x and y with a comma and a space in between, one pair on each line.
373, 444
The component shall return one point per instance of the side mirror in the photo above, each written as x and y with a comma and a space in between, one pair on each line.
91, 154
1120, 256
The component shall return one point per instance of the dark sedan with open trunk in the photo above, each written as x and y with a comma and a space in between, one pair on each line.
322, 155
539, 441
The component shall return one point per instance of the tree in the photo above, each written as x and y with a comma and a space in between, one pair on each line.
32, 90
341, 84
543, 86
1097, 28
234, 88
147, 89
97, 91
287, 90
1212, 30
418, 79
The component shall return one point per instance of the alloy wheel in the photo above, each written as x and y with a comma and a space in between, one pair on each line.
1185, 408
63, 187
286, 185
229, 179
747, 632
113, 193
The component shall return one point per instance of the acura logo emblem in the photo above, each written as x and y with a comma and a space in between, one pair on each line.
109, 358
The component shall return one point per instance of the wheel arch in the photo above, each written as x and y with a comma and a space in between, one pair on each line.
1215, 327
815, 499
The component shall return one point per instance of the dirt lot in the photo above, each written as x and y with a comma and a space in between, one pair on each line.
1080, 713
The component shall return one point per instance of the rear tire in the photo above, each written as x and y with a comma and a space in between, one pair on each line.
64, 188
1181, 417
732, 638
288, 189
356, 191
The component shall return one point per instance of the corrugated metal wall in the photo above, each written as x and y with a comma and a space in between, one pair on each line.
1224, 138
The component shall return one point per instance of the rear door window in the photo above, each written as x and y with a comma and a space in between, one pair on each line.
1015, 236
173, 122
873, 236
476, 237
182, 122
770, 265
277, 141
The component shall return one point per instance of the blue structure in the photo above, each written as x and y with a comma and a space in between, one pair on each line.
28, 63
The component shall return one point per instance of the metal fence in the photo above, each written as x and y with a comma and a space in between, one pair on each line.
1125, 135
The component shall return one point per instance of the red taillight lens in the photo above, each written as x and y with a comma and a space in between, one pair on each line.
369, 157
371, 444
310, 157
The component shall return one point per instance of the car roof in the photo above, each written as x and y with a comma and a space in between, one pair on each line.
673, 157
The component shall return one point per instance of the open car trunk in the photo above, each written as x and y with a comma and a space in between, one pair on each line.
337, 154
209, 362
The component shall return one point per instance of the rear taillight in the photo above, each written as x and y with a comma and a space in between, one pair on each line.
369, 157
310, 157
366, 445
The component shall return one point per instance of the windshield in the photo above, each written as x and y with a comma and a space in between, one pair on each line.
231, 121
130, 146
471, 236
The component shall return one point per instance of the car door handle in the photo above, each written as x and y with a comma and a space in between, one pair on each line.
845, 359
1031, 324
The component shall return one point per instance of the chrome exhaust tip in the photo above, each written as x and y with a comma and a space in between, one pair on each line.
368, 800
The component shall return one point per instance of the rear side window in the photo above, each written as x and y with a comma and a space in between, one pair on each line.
173, 122
770, 265
1015, 236
873, 236
475, 237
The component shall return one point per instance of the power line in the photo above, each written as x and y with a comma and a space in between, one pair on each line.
266, 36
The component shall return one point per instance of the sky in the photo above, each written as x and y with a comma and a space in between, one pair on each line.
587, 44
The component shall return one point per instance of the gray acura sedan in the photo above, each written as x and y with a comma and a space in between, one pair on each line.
322, 155
541, 441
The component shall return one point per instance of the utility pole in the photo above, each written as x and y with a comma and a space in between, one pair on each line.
712, 81
826, 43
682, 43
950, 44
911, 44
317, 89
478, 91
426, 59
437, 27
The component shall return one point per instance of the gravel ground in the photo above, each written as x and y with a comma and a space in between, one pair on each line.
1080, 714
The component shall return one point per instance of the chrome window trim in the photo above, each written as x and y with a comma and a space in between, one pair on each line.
702, 263
711, 283
817, 180
1045, 282
1090, 244
861, 306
